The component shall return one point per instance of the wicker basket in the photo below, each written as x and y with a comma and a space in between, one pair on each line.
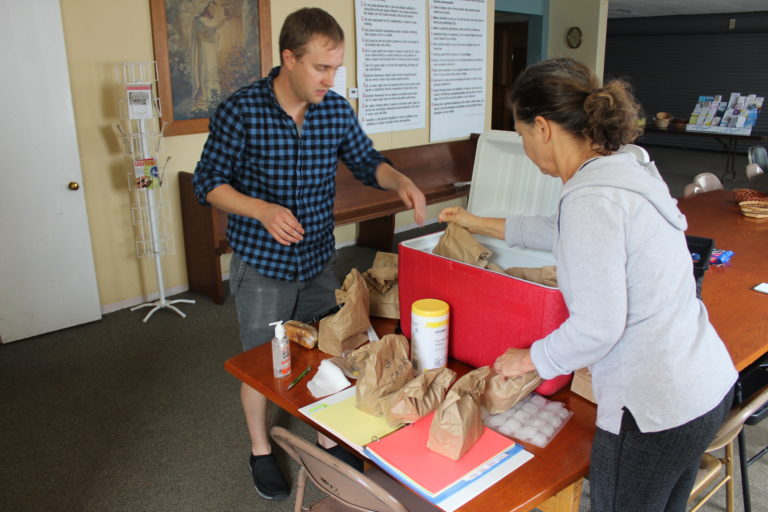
755, 209
748, 194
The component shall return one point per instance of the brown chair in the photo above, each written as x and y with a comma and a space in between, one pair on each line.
347, 489
715, 472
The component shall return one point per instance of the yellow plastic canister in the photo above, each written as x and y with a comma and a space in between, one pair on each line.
429, 334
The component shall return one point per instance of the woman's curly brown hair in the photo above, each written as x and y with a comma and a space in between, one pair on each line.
567, 92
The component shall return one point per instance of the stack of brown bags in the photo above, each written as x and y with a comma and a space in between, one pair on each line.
381, 280
457, 243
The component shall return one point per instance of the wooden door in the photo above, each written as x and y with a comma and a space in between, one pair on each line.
47, 276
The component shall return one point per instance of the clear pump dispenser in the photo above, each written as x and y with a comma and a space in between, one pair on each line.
281, 351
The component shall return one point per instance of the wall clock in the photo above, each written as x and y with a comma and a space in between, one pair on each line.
573, 37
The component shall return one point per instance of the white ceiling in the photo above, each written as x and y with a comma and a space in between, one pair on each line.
641, 8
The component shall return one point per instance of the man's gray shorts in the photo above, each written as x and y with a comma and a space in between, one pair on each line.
261, 300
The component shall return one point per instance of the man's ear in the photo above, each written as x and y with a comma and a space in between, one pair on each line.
289, 58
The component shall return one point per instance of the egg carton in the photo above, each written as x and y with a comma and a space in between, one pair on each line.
534, 420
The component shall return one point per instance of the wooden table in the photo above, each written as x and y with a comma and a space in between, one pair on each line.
739, 314
551, 481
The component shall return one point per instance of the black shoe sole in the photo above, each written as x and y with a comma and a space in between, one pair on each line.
276, 497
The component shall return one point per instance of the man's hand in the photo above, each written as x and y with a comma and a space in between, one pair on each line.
281, 223
277, 220
413, 198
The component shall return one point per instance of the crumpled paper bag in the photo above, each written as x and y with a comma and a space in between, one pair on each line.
502, 394
419, 396
458, 421
457, 243
546, 275
347, 329
381, 280
387, 369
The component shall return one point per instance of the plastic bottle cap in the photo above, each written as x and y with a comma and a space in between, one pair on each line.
279, 329
430, 307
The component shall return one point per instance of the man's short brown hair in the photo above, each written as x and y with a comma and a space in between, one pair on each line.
301, 25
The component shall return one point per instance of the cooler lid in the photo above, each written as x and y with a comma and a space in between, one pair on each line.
506, 182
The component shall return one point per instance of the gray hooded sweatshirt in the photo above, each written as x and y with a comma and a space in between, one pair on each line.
626, 275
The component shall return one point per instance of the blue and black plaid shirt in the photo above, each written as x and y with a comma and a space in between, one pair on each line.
254, 146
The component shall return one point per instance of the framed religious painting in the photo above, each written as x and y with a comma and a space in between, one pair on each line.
206, 50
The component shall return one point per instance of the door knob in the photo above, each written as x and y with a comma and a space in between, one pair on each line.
73, 185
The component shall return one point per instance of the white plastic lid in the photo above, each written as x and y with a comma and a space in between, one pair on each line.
279, 329
506, 182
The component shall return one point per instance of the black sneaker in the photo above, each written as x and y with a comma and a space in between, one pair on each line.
267, 477
344, 456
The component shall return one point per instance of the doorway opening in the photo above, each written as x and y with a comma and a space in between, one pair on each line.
519, 39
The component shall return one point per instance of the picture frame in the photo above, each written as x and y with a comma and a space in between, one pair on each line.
206, 50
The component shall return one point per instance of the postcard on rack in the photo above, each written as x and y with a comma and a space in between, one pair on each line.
444, 482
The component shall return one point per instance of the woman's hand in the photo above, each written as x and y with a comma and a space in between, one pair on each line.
457, 215
514, 362
478, 225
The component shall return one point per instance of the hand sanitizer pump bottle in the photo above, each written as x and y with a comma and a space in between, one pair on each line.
281, 351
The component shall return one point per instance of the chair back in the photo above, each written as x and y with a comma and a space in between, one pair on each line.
335, 478
640, 153
757, 158
708, 182
758, 155
736, 418
691, 189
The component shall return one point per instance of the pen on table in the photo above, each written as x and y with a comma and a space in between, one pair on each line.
299, 377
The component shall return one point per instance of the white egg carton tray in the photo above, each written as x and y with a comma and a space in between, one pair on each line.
533, 420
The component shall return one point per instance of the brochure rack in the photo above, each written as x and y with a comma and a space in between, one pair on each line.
737, 116
142, 140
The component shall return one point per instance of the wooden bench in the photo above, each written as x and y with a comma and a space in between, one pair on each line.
434, 168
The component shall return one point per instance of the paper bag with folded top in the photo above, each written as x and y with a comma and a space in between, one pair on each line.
387, 369
381, 280
347, 329
458, 422
418, 397
457, 243
501, 394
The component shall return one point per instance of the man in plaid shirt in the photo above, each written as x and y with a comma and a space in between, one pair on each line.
270, 162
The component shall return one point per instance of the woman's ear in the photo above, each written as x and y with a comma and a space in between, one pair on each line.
542, 128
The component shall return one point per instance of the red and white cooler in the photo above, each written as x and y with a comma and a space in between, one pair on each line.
490, 311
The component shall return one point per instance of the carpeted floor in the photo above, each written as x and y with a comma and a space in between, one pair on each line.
118, 415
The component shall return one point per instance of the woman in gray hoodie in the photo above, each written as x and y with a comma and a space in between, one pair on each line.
662, 377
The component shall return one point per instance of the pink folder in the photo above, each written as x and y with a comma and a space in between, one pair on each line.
406, 452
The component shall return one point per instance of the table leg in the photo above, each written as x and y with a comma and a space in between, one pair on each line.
566, 500
730, 158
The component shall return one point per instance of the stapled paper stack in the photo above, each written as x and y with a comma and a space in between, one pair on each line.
444, 482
